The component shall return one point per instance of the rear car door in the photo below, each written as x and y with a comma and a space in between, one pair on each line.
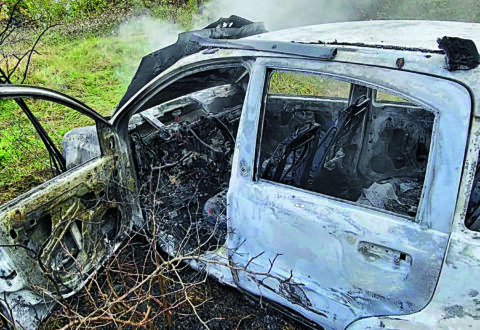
365, 230
56, 235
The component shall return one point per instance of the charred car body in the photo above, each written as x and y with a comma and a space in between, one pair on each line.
332, 169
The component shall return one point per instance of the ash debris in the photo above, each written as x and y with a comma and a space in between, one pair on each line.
186, 185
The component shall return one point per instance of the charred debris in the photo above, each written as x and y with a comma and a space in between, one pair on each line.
183, 151
366, 152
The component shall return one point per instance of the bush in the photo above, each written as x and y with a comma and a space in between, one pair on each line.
67, 11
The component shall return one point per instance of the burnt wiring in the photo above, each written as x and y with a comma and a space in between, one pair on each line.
201, 141
189, 164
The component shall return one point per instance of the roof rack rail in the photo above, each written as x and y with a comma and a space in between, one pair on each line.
322, 52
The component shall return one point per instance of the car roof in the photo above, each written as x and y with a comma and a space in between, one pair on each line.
396, 33
406, 39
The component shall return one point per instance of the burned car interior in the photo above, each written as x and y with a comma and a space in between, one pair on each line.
183, 151
350, 145
345, 143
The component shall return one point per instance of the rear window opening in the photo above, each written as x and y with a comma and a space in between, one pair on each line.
337, 141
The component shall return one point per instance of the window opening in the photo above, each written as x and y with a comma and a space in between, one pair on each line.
335, 141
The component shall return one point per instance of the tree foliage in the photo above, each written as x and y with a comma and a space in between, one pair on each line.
64, 11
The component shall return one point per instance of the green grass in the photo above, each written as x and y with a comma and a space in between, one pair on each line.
307, 85
83, 58
96, 70
22, 155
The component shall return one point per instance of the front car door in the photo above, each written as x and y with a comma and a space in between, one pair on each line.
337, 204
56, 235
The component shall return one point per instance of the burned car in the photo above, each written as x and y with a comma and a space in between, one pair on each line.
331, 169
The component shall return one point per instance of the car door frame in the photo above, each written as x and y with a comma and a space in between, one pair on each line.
245, 223
60, 199
216, 262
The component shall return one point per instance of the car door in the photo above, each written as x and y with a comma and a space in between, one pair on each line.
331, 257
56, 235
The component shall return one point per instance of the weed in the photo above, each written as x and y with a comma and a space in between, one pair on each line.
96, 70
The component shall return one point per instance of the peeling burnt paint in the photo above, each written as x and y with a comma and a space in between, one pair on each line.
38, 234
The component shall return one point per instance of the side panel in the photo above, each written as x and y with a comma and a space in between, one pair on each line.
328, 259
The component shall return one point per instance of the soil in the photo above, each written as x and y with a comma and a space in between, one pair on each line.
217, 305
235, 310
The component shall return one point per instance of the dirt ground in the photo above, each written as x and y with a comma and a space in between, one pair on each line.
217, 305
234, 310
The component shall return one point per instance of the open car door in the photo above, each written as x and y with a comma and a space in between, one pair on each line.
54, 237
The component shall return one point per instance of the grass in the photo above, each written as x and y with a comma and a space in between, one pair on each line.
307, 85
84, 58
94, 69
303, 84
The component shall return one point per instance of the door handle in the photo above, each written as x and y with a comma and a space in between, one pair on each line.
385, 256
